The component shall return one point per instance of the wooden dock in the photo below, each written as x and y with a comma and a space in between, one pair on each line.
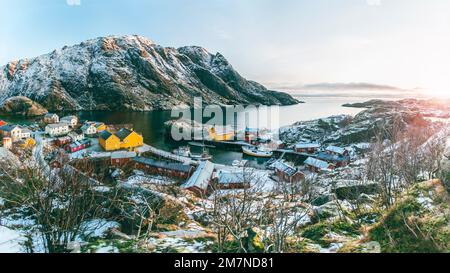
169, 155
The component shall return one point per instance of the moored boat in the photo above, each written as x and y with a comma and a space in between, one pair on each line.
257, 151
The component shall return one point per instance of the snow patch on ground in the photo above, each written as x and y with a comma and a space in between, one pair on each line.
11, 240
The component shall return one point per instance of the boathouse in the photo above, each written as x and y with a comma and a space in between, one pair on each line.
121, 158
334, 150
151, 166
286, 173
317, 165
231, 180
199, 182
309, 148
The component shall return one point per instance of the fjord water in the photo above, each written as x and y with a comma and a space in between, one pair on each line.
151, 124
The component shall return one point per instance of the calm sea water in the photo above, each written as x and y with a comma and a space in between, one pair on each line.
151, 124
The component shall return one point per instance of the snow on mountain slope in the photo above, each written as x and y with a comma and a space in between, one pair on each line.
132, 73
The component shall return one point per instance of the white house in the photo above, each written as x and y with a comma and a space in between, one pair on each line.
25, 133
57, 129
51, 118
89, 129
15, 132
77, 135
71, 120
12, 131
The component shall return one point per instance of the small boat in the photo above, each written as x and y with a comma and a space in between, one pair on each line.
186, 152
201, 157
257, 151
183, 151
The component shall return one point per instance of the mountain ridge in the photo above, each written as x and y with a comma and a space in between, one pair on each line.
130, 73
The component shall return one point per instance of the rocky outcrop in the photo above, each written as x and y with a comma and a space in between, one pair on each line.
22, 106
130, 73
379, 115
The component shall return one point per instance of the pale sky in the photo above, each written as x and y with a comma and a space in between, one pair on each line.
404, 43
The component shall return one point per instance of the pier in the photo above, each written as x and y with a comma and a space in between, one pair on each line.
169, 155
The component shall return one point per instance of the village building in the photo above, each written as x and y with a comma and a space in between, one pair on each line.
226, 180
334, 150
174, 170
25, 133
51, 118
199, 182
123, 139
15, 132
2, 123
57, 129
61, 141
251, 135
337, 160
89, 129
317, 165
286, 173
121, 158
27, 143
100, 126
78, 146
71, 120
108, 141
309, 148
76, 135
7, 143
129, 139
12, 131
221, 133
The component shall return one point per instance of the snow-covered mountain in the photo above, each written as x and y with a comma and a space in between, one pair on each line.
130, 73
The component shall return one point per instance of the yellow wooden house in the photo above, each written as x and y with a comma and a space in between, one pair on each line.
100, 126
129, 139
108, 141
123, 139
221, 133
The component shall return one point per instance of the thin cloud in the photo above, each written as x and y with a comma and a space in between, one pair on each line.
73, 2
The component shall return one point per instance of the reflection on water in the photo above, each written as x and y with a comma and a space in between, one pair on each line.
151, 124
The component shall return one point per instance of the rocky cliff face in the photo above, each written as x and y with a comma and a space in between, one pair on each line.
22, 106
130, 73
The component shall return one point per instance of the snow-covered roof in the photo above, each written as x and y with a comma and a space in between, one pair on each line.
9, 127
57, 125
282, 166
335, 149
304, 145
163, 164
317, 163
224, 177
122, 154
200, 178
25, 130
